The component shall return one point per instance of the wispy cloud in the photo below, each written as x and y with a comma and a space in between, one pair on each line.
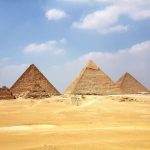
104, 21
55, 14
125, 2
52, 46
108, 19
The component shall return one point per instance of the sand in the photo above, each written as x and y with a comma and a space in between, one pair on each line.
76, 123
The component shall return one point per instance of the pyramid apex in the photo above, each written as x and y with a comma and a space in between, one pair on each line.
91, 64
32, 65
127, 73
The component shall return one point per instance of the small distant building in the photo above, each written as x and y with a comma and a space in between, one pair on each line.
129, 85
5, 93
33, 81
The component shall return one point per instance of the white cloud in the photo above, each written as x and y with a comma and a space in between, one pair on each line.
99, 19
126, 2
134, 60
140, 15
116, 28
103, 20
84, 1
49, 46
55, 14
77, 1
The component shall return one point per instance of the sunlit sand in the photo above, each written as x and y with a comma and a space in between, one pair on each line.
98, 122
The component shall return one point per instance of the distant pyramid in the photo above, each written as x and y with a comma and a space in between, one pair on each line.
29, 79
129, 85
91, 81
5, 93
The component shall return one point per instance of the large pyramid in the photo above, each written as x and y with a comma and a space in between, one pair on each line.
92, 81
5, 93
129, 85
31, 77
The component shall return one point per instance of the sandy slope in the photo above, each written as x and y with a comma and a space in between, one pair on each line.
99, 122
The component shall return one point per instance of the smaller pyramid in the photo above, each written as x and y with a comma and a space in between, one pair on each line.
5, 93
129, 85
91, 81
28, 81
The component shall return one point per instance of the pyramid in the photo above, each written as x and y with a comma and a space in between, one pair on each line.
129, 85
91, 81
29, 79
5, 93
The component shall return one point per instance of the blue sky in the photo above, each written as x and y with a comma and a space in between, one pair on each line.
60, 36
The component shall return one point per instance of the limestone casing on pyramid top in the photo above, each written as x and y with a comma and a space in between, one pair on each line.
91, 65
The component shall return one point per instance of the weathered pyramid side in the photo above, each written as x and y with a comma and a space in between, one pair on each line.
72, 86
91, 81
27, 81
5, 93
130, 85
115, 89
37, 92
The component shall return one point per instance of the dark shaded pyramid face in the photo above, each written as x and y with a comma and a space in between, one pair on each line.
29, 79
91, 81
130, 85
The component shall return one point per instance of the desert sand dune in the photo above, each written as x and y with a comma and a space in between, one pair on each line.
57, 123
